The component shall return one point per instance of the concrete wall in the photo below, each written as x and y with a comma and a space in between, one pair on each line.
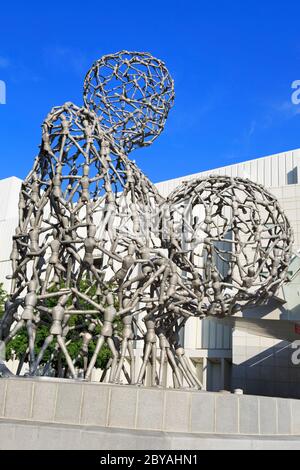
60, 402
16, 435
263, 366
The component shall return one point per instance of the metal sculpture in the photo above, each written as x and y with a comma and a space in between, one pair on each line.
132, 93
236, 243
85, 215
102, 261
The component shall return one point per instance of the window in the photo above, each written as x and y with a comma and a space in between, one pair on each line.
292, 176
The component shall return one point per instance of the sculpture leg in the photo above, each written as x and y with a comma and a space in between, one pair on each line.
154, 359
19, 268
122, 359
47, 278
94, 271
145, 362
115, 354
60, 369
18, 282
105, 372
176, 384
67, 356
161, 366
132, 361
48, 365
31, 338
99, 345
126, 375
13, 282
85, 363
47, 343
69, 272
185, 373
104, 224
14, 332
189, 367
21, 362
79, 278
174, 367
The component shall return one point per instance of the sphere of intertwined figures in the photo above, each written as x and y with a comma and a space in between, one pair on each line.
132, 93
232, 242
84, 250
81, 180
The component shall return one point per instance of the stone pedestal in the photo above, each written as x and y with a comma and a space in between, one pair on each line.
68, 414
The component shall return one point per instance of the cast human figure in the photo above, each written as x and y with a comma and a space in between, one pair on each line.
127, 343
58, 314
149, 351
167, 357
184, 361
105, 336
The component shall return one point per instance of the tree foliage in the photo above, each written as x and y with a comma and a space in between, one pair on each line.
17, 348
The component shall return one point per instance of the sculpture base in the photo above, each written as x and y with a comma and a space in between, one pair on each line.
16, 435
56, 414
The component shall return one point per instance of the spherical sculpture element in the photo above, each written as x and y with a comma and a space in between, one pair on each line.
132, 93
235, 243
80, 180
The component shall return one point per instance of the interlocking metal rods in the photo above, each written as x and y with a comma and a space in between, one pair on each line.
236, 242
84, 237
100, 261
132, 93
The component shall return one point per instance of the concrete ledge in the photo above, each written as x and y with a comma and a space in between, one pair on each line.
64, 402
16, 435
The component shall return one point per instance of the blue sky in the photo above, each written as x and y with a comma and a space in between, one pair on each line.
233, 65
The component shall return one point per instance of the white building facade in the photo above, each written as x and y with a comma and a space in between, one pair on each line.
225, 356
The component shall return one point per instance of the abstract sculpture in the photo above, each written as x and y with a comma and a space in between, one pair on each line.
236, 240
85, 211
100, 259
132, 93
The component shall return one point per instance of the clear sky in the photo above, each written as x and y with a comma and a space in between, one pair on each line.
233, 63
